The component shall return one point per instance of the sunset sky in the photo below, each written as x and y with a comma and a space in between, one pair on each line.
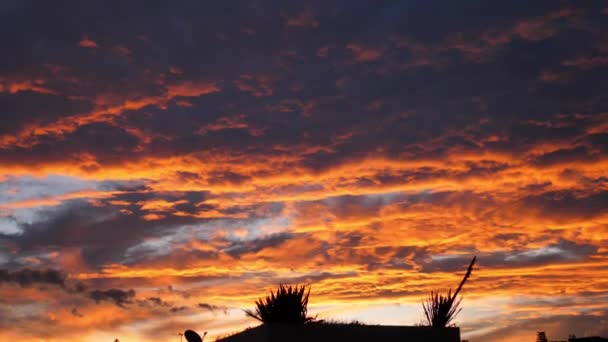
164, 163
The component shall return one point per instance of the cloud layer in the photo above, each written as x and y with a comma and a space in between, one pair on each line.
164, 164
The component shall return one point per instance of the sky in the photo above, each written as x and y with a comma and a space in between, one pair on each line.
165, 163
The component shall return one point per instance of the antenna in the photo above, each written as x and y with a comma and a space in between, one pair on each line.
205, 334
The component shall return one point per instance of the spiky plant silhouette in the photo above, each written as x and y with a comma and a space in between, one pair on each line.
440, 310
541, 337
287, 305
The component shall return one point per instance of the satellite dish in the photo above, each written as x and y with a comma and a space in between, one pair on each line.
192, 336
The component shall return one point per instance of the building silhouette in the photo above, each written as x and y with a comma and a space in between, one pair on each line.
588, 339
320, 332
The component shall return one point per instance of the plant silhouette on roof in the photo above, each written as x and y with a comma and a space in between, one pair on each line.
541, 337
287, 305
440, 310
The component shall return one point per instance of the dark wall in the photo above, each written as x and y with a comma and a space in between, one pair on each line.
350, 333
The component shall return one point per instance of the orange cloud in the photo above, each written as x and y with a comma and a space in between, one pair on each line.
108, 106
363, 53
542, 27
122, 51
304, 19
191, 89
587, 62
153, 217
36, 86
87, 43
550, 76
258, 85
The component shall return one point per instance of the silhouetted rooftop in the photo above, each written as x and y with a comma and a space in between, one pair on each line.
320, 332
588, 339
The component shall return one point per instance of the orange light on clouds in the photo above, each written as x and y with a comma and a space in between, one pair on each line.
163, 179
